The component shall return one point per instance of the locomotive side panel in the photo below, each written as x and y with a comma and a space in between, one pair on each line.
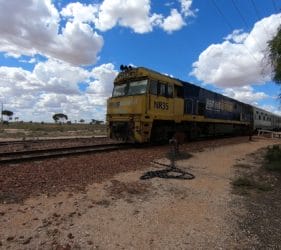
211, 105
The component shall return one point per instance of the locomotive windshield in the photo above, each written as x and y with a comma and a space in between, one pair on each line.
119, 90
131, 88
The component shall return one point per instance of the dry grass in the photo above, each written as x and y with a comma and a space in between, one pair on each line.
21, 130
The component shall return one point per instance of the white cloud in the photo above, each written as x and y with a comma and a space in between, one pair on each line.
53, 87
272, 109
237, 36
104, 76
17, 81
245, 94
33, 27
240, 60
127, 13
59, 77
173, 22
78, 44
80, 12
186, 8
133, 14
51, 101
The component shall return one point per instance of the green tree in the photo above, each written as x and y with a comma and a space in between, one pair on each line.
7, 113
96, 122
274, 46
59, 116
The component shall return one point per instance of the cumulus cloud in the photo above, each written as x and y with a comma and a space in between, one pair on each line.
245, 94
104, 76
272, 109
127, 13
173, 22
33, 27
238, 36
133, 14
52, 87
186, 8
59, 77
80, 12
241, 59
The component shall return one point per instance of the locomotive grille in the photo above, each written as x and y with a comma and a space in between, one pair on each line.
121, 131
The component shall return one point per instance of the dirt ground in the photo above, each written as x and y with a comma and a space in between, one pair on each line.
125, 212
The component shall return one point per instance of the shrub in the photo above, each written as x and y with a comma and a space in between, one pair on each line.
242, 181
273, 158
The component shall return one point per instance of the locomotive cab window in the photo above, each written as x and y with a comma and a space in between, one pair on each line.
137, 87
119, 90
130, 88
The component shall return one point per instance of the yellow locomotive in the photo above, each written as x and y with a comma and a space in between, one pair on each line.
149, 106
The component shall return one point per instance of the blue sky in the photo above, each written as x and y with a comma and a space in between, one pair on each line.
62, 56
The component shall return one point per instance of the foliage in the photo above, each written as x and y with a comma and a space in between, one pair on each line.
273, 158
82, 121
249, 183
97, 122
274, 46
7, 113
59, 116
242, 181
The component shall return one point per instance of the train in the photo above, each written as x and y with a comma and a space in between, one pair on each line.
147, 106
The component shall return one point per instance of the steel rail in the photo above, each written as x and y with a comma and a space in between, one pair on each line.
15, 142
27, 155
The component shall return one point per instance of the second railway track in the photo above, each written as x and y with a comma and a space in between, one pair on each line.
37, 154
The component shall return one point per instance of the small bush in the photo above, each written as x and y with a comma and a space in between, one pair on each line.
264, 187
242, 182
273, 158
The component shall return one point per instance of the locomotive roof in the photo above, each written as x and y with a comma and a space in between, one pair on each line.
131, 73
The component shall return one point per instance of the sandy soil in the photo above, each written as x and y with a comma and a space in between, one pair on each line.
128, 213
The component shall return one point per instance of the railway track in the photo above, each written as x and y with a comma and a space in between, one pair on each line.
37, 141
37, 154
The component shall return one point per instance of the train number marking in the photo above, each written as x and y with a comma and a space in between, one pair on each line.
161, 105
